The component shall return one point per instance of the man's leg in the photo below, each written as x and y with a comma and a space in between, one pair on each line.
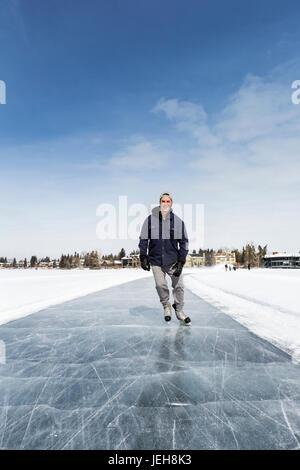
178, 291
161, 284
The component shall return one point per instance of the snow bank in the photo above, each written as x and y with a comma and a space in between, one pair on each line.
24, 291
265, 301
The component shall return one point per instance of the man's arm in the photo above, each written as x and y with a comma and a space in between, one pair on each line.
144, 238
183, 251
143, 245
183, 244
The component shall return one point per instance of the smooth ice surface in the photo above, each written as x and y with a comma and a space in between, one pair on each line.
106, 372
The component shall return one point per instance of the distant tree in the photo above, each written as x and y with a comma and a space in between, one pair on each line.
238, 255
68, 263
243, 256
262, 251
25, 263
86, 260
94, 261
121, 253
33, 261
210, 259
251, 255
62, 262
14, 263
76, 260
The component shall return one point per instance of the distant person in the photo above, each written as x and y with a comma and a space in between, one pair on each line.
226, 267
234, 268
161, 233
248, 266
229, 268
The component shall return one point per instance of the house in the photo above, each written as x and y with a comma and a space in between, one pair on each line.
194, 259
106, 263
43, 264
225, 258
282, 260
117, 264
131, 261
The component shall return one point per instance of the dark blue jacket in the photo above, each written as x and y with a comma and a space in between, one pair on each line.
166, 240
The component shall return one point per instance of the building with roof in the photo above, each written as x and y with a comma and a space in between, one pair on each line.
131, 261
225, 258
194, 259
282, 260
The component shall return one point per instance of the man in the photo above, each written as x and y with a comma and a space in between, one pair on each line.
164, 237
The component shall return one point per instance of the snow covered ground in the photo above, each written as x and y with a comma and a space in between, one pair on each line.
265, 301
24, 291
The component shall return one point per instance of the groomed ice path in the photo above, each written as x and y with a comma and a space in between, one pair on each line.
105, 371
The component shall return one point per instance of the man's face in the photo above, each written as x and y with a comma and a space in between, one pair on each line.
165, 204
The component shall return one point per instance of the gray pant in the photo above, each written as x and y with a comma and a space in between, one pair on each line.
159, 273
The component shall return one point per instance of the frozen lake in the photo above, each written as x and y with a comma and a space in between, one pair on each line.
105, 371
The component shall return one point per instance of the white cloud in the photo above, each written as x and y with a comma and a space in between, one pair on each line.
181, 111
244, 163
141, 155
256, 133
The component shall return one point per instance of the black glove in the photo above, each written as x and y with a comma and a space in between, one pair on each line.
145, 262
178, 266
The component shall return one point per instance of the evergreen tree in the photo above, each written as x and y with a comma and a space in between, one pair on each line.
25, 263
14, 263
86, 260
33, 261
76, 261
62, 262
243, 255
210, 259
262, 251
94, 261
238, 255
122, 253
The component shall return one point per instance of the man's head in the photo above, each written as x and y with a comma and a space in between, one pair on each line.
165, 202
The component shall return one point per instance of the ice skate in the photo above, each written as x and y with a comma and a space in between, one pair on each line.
181, 316
168, 312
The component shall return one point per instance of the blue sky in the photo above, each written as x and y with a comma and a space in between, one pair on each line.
109, 98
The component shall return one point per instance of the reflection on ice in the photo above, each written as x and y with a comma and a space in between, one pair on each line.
106, 372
